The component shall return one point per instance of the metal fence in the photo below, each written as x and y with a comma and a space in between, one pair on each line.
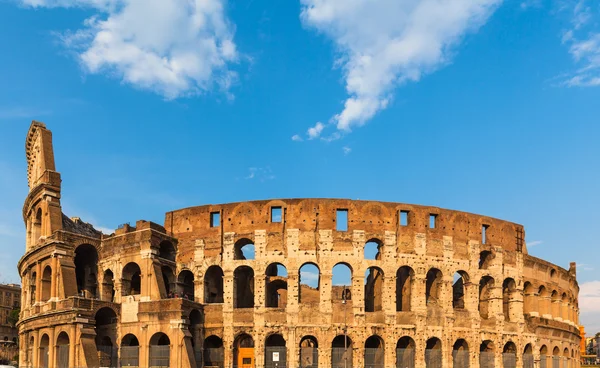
509, 360
341, 358
486, 359
62, 356
543, 363
213, 357
159, 356
107, 356
198, 357
433, 358
43, 357
460, 358
275, 357
309, 357
374, 358
556, 362
528, 361
405, 358
130, 356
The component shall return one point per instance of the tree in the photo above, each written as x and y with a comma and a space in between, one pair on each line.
13, 317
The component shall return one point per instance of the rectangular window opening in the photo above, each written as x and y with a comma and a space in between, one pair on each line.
215, 219
341, 220
432, 220
403, 218
275, 214
484, 233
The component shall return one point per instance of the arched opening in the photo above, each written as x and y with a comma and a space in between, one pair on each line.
36, 227
243, 287
460, 354
160, 350
556, 357
213, 285
32, 288
131, 281
194, 327
86, 270
244, 249
565, 358
404, 284
509, 290
130, 351
564, 307
543, 356
555, 304
433, 286
529, 299
373, 289
373, 249
213, 352
30, 346
46, 283
275, 351
458, 289
243, 351
433, 353
108, 286
341, 352
486, 354
405, 353
309, 352
485, 259
44, 351
374, 352
341, 289
528, 361
62, 350
276, 286
509, 354
106, 332
185, 283
309, 292
486, 285
168, 278
544, 301
166, 250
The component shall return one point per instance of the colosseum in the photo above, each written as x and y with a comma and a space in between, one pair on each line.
286, 283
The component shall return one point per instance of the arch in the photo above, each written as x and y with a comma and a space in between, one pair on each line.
543, 301
405, 352
509, 354
276, 286
485, 259
167, 251
168, 278
243, 287
62, 350
543, 356
341, 352
86, 270
374, 280
433, 353
309, 284
555, 304
244, 249
528, 360
486, 354
106, 332
564, 307
372, 249
194, 327
46, 283
460, 354
36, 227
433, 286
213, 352
131, 279
404, 285
108, 286
485, 296
309, 352
44, 351
185, 284
275, 347
160, 350
341, 280
33, 287
213, 285
509, 291
130, 351
243, 350
374, 352
458, 289
529, 298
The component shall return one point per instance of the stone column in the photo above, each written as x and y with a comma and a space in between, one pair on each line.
52, 349
36, 346
38, 283
74, 344
54, 280
325, 286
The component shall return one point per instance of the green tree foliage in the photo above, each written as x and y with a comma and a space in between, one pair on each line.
13, 317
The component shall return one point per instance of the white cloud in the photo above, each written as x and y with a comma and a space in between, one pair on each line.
534, 243
297, 138
386, 43
309, 278
589, 305
260, 173
346, 150
315, 132
174, 48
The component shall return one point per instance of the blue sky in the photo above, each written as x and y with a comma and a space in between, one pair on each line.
486, 106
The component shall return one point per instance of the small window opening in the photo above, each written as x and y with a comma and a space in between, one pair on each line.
484, 234
275, 214
403, 218
215, 219
432, 220
341, 220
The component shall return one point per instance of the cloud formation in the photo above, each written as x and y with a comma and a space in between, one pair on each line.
589, 305
386, 43
174, 48
260, 173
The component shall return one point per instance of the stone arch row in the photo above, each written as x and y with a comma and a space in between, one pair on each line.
548, 302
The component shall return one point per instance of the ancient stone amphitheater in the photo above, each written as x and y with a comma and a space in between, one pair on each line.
287, 283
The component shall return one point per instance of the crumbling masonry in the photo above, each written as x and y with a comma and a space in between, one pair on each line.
253, 284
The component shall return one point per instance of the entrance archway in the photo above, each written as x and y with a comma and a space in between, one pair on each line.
460, 354
275, 352
309, 352
130, 351
243, 351
44, 351
341, 352
374, 352
106, 333
62, 350
160, 351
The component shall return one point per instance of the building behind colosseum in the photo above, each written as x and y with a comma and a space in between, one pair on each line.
254, 284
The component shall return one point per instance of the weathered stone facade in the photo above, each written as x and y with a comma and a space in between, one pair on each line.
442, 289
